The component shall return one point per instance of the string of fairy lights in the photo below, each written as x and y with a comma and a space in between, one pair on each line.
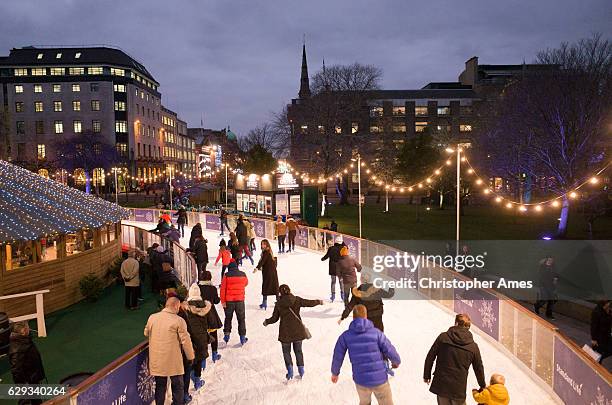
32, 206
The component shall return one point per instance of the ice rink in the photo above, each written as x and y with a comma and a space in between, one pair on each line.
255, 373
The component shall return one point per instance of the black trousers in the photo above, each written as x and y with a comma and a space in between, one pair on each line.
239, 308
181, 228
178, 395
292, 235
549, 306
131, 297
281, 243
297, 349
214, 343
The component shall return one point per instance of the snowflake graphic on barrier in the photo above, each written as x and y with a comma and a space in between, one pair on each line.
260, 230
104, 389
145, 382
600, 399
149, 216
487, 314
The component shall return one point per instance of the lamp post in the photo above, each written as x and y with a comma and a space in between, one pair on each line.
226, 186
116, 186
359, 188
170, 183
460, 147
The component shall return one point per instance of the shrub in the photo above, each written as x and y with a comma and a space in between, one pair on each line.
91, 287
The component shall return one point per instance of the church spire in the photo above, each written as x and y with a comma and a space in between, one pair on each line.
304, 81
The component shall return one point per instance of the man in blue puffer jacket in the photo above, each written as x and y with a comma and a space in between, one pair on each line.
367, 347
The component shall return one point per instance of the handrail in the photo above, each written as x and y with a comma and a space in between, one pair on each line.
39, 315
26, 294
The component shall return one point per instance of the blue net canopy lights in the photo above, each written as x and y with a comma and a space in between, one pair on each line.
32, 206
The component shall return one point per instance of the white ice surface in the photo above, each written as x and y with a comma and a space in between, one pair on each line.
255, 373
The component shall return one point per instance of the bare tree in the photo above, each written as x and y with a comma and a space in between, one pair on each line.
266, 137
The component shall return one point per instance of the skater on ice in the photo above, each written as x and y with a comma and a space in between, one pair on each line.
209, 293
267, 265
242, 234
232, 299
281, 233
292, 229
333, 255
346, 269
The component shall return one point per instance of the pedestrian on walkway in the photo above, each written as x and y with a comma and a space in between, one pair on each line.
547, 287
454, 351
168, 340
131, 278
291, 331
209, 293
232, 299
367, 347
281, 232
333, 255
346, 269
24, 358
601, 327
267, 265
292, 229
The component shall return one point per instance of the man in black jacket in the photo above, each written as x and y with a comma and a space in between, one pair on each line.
547, 287
453, 351
333, 255
200, 253
601, 327
24, 358
243, 239
371, 297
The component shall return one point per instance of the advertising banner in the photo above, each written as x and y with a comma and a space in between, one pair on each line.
482, 307
281, 204
575, 382
128, 384
295, 204
354, 246
213, 222
301, 239
259, 226
144, 216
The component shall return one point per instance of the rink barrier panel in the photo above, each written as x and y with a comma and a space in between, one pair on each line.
542, 351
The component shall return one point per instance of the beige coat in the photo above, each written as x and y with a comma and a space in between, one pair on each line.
129, 272
281, 228
250, 229
167, 333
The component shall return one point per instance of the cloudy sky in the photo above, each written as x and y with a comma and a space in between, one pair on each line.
235, 62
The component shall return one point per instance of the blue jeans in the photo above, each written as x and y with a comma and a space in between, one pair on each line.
224, 223
297, 349
333, 285
176, 381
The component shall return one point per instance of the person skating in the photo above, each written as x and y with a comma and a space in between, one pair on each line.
333, 226
243, 238
181, 220
131, 278
196, 310
281, 233
234, 247
209, 293
547, 287
601, 327
173, 234
200, 252
333, 255
223, 220
168, 340
232, 299
291, 331
267, 265
195, 232
251, 234
225, 256
292, 229
454, 351
367, 347
24, 358
494, 394
346, 269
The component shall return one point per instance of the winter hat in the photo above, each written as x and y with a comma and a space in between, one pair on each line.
232, 265
160, 249
339, 239
344, 251
284, 289
194, 293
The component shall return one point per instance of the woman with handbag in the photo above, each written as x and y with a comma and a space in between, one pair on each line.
292, 330
267, 265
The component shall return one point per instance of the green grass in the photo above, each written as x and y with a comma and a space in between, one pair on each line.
414, 222
87, 336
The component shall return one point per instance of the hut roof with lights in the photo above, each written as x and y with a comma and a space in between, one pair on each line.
32, 206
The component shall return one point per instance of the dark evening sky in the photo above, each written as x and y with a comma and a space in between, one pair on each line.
237, 61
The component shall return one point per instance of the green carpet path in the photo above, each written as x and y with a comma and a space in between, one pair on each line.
87, 336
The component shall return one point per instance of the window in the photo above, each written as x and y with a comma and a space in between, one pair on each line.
375, 129
338, 129
58, 55
76, 105
58, 127
466, 110
20, 126
136, 93
117, 72
119, 106
96, 126
57, 88
354, 127
142, 96
58, 71
76, 87
41, 152
420, 111
77, 55
399, 111
321, 129
94, 87
57, 106
38, 106
76, 71
119, 88
122, 148
38, 88
18, 106
443, 110
40, 127
303, 128
97, 70
399, 128
95, 105
444, 128
39, 56
120, 126
77, 126
97, 148
20, 72
18, 88
465, 128
420, 126
39, 72
376, 111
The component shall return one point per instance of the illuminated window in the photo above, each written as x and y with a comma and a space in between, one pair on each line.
18, 88
57, 88
354, 128
19, 106
95, 105
40, 127
39, 56
20, 125
443, 128
97, 70
420, 111
119, 106
465, 128
399, 128
119, 88
420, 126
98, 176
399, 111
41, 152
122, 148
121, 126
76, 71
38, 88
338, 129
304, 128
96, 126
59, 127
58, 55
321, 129
77, 55
39, 72
58, 71
77, 126
76, 87
117, 72
376, 111
375, 129
57, 106
76, 105
97, 148
20, 72
44, 173
443, 110
38, 106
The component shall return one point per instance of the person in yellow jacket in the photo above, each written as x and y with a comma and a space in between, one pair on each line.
494, 394
281, 233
